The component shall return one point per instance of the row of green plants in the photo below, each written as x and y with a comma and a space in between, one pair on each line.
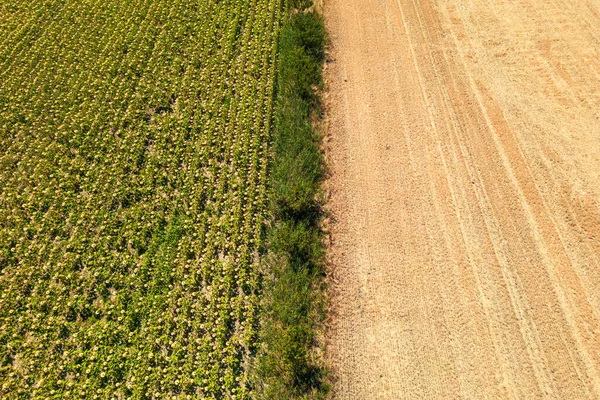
289, 364
134, 188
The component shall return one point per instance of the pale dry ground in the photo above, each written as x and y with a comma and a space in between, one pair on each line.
464, 146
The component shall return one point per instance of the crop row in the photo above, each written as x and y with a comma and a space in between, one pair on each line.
134, 143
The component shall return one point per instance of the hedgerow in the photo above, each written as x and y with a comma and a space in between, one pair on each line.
289, 364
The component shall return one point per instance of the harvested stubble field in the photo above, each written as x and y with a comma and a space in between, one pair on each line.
464, 144
134, 143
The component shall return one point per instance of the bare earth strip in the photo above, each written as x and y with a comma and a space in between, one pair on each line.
464, 145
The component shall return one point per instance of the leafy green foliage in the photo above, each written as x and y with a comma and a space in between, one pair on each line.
134, 147
288, 366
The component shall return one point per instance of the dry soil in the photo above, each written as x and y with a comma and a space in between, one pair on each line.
464, 146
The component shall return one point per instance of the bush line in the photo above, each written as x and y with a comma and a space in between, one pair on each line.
288, 365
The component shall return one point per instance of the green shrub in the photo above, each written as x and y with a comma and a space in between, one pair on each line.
302, 49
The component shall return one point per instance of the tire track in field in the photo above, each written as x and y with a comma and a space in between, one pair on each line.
465, 195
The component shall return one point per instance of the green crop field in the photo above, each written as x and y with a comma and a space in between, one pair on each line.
134, 141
